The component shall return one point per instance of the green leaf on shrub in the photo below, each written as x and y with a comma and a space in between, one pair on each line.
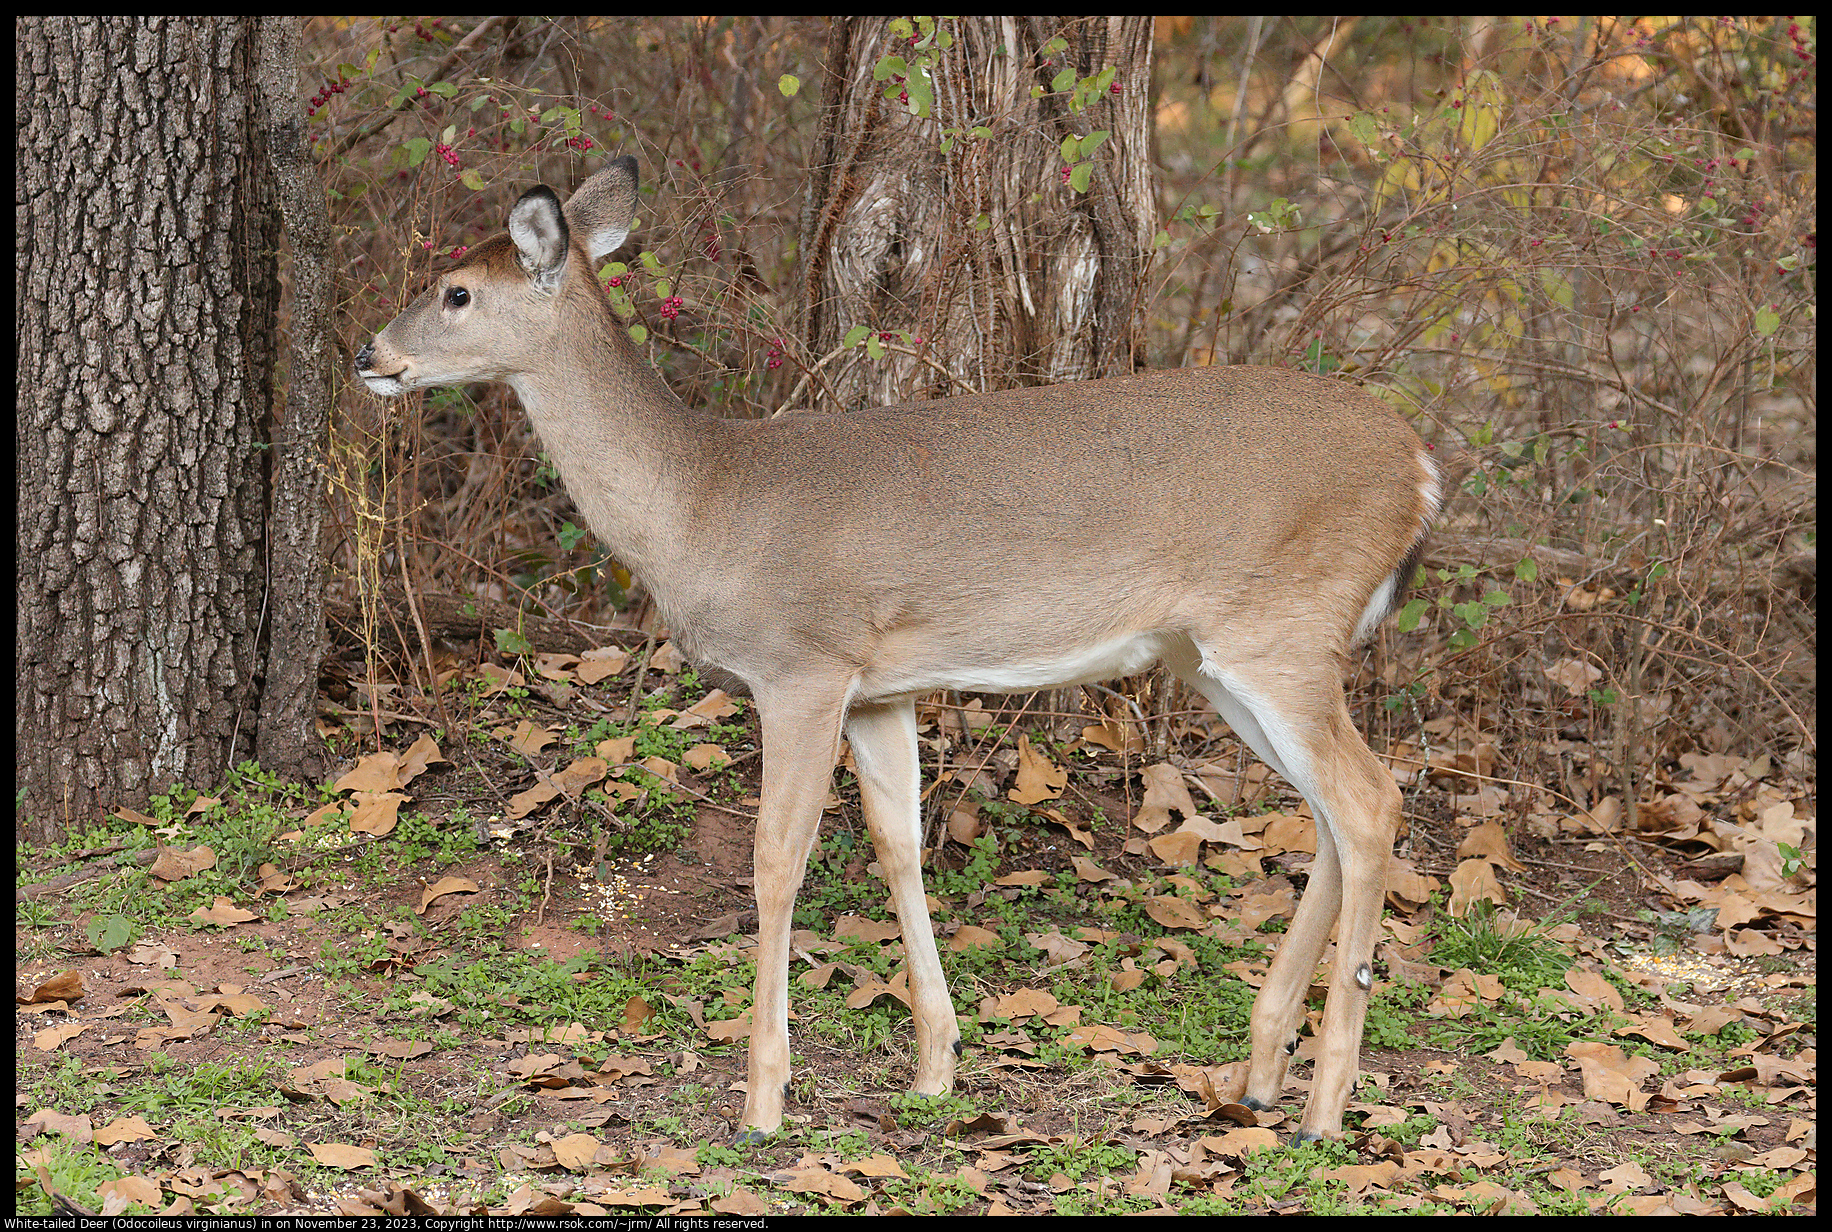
1482, 98
1363, 128
922, 94
1558, 288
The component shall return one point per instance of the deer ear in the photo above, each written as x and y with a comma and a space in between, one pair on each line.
603, 208
537, 224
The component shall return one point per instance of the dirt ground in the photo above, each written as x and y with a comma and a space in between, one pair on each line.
545, 1102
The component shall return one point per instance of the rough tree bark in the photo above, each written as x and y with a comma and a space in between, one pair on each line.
286, 736
986, 252
145, 322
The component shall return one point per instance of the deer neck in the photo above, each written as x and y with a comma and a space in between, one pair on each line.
629, 450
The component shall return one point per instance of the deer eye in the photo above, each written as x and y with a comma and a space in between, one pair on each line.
457, 297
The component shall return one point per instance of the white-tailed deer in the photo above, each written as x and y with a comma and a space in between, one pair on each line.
1246, 526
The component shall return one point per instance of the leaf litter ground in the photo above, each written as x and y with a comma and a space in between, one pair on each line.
1102, 968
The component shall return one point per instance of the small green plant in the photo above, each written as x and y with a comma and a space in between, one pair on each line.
1525, 956
923, 1111
928, 1194
1078, 1159
77, 1172
716, 1154
1391, 1014
34, 914
109, 932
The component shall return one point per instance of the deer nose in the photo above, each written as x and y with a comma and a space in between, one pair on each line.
365, 357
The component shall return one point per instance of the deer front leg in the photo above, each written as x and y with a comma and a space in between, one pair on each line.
801, 732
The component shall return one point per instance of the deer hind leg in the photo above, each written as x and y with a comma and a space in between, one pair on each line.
1297, 721
883, 737
801, 738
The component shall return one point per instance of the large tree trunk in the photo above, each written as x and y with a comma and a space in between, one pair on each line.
978, 260
145, 325
986, 252
286, 735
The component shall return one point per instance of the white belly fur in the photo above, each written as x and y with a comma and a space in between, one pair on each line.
1121, 656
